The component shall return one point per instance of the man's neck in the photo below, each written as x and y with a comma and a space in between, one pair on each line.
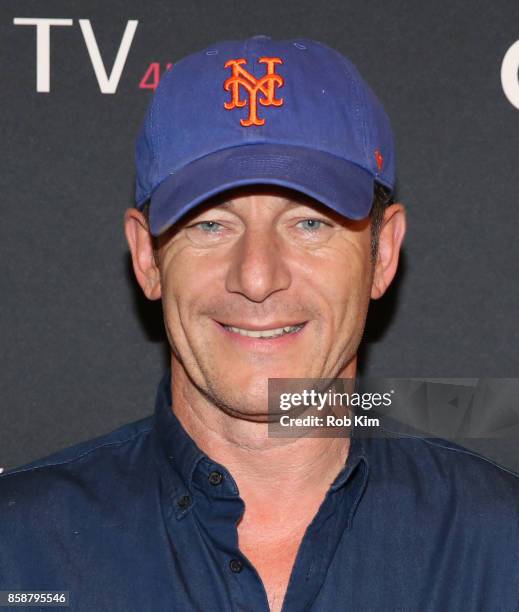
283, 476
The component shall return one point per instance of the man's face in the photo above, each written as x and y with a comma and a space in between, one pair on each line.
266, 262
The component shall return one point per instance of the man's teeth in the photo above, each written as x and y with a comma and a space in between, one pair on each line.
264, 333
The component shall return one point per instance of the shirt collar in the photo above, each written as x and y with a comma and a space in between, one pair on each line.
180, 450
356, 456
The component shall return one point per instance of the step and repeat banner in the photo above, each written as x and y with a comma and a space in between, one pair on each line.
82, 350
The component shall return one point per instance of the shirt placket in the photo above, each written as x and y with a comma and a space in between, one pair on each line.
322, 538
219, 510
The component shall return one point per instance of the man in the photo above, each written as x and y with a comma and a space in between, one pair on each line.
257, 169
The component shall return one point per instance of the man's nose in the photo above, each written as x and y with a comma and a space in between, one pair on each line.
259, 265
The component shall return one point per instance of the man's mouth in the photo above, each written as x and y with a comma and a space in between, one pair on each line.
265, 333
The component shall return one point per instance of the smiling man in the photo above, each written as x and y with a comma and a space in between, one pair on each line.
265, 225
250, 290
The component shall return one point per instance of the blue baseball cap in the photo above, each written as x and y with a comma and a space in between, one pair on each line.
293, 113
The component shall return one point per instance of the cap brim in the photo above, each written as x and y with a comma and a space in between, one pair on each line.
341, 185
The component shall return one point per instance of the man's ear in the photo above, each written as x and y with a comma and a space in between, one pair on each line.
391, 235
140, 242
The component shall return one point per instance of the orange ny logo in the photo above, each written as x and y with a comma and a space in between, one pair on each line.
266, 86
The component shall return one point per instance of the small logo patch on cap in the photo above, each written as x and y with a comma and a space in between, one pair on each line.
379, 159
266, 86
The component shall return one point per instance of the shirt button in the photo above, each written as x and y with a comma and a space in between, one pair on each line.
215, 478
184, 501
236, 565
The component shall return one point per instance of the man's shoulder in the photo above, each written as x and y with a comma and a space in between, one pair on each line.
97, 463
445, 470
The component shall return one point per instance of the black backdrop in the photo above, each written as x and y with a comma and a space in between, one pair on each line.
82, 351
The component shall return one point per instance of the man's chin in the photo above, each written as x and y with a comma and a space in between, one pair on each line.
252, 378
246, 397
245, 400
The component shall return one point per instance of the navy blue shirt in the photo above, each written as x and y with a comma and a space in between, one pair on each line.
140, 519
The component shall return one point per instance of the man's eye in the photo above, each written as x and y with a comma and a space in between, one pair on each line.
209, 226
311, 224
